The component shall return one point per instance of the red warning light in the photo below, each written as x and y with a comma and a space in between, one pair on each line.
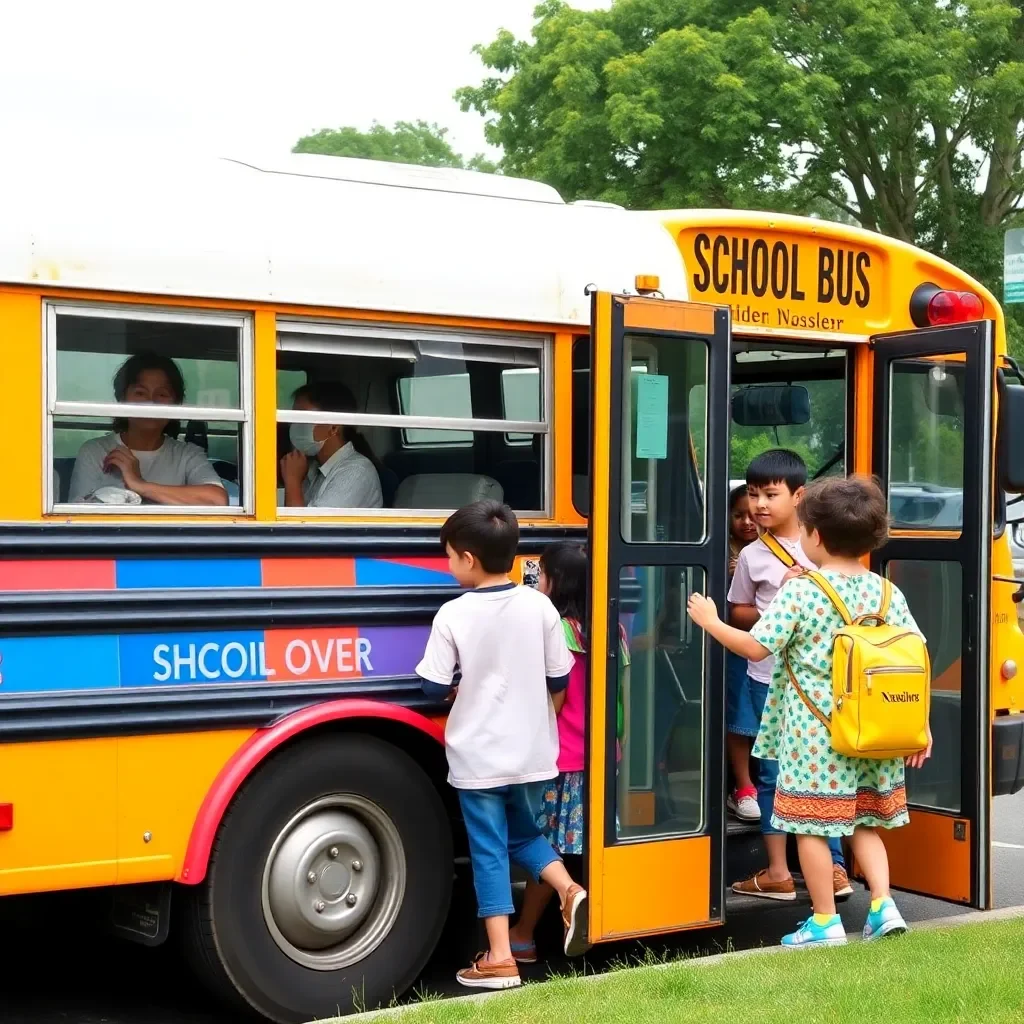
931, 306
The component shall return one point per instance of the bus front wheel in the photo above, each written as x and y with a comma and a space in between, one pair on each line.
329, 882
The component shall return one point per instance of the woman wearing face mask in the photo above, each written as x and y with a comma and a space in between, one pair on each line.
144, 456
331, 466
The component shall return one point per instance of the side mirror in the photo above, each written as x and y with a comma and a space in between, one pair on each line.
1010, 443
771, 405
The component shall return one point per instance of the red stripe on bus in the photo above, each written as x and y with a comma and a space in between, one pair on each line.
58, 574
309, 572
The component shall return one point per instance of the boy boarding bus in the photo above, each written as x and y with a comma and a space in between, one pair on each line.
208, 687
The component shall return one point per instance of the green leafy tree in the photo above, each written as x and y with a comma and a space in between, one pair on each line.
409, 142
904, 116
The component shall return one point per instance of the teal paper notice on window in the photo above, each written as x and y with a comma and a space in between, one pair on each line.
651, 406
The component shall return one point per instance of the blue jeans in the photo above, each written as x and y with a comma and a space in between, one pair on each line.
501, 825
744, 698
767, 777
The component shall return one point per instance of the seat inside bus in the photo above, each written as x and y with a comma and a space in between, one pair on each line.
446, 490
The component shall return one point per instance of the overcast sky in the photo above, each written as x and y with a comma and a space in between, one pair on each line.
236, 77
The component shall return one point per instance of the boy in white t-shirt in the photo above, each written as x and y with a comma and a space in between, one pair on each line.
503, 647
775, 484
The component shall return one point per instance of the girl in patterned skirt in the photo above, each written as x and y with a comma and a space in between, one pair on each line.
563, 577
821, 793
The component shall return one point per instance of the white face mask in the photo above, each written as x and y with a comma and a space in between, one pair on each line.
301, 437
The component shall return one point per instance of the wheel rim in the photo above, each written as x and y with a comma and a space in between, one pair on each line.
333, 882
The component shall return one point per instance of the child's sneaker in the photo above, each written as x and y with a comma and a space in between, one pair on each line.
743, 803
489, 974
574, 918
809, 934
886, 920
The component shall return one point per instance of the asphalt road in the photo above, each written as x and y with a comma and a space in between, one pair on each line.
55, 973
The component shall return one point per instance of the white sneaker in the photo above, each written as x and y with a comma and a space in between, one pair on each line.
745, 808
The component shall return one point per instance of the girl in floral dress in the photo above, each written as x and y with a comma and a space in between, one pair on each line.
821, 793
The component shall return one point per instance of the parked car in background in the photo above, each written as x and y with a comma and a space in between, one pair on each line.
916, 505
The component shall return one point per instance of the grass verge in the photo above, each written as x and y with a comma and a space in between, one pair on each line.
970, 974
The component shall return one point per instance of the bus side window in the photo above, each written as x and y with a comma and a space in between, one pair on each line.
148, 413
445, 417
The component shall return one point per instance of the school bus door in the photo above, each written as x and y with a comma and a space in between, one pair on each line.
658, 530
932, 443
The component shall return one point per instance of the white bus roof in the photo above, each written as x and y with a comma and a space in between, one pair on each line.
321, 231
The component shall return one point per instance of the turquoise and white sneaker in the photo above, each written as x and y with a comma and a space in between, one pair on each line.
887, 920
810, 935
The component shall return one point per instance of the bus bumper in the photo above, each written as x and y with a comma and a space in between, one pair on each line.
1007, 755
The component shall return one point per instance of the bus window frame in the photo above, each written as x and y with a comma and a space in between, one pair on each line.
384, 332
244, 414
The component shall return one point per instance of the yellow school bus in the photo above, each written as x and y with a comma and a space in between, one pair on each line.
865, 355
207, 670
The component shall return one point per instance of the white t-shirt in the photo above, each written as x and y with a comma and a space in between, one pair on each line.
757, 580
507, 642
174, 463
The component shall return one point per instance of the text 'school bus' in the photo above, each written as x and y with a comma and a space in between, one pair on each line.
208, 707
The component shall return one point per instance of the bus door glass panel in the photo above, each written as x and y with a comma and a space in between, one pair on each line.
658, 523
932, 450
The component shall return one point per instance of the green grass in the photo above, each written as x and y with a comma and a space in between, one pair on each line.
973, 973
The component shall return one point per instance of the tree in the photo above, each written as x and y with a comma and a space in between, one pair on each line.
409, 142
903, 115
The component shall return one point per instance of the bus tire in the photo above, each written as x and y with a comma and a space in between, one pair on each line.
328, 884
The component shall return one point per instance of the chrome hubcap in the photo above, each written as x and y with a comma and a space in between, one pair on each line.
333, 882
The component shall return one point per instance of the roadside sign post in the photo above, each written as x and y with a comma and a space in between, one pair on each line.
1013, 266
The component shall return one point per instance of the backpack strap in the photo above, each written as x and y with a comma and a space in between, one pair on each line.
883, 608
803, 696
830, 592
771, 542
878, 618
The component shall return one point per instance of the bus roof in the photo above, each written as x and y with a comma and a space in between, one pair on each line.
323, 232
790, 276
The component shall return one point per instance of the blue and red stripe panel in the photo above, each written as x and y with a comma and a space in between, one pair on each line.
219, 573
55, 664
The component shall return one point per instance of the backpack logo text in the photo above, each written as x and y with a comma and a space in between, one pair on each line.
906, 697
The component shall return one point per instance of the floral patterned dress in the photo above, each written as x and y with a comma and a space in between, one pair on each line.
821, 792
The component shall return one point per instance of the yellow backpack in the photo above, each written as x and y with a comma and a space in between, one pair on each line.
881, 683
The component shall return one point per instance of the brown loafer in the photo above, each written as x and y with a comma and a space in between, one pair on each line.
574, 918
761, 886
489, 974
841, 887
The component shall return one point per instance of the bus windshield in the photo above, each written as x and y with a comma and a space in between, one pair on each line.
815, 427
